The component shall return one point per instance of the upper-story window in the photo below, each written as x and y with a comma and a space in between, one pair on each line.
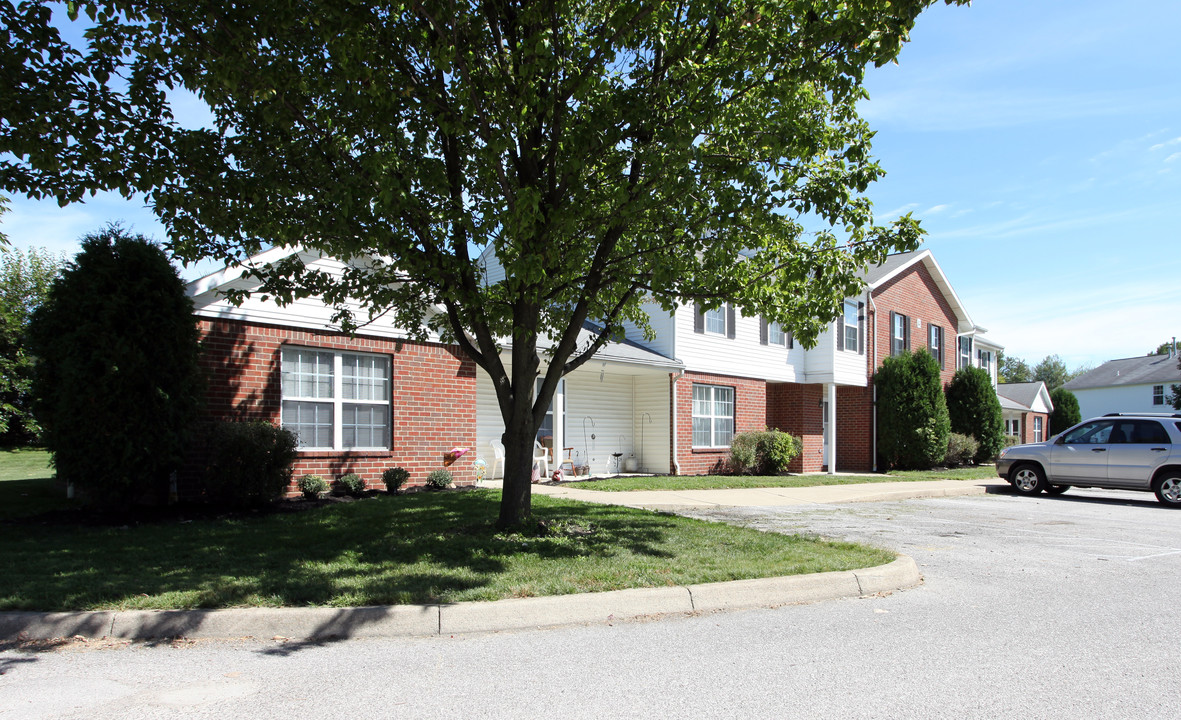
336, 400
935, 342
850, 329
719, 321
715, 321
899, 333
1158, 394
986, 360
964, 344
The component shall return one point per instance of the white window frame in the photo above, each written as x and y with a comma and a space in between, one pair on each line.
963, 350
716, 393
337, 399
1013, 427
1158, 394
985, 357
898, 334
776, 335
1038, 430
717, 316
855, 326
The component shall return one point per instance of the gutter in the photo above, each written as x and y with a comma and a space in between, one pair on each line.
873, 308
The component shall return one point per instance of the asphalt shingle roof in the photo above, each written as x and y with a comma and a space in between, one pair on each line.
1024, 394
1144, 370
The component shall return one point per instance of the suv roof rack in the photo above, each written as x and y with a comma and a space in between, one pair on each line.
1143, 414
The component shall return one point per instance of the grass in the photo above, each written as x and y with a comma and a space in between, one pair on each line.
718, 482
26, 484
420, 548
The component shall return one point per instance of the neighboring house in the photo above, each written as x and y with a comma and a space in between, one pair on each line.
1026, 408
669, 404
1136, 384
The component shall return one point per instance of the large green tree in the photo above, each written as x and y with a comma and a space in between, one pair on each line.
607, 151
25, 279
1012, 369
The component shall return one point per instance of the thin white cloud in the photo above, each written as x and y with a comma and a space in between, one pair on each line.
936, 209
1174, 157
896, 212
1174, 141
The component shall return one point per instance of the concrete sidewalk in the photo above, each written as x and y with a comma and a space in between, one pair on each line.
326, 624
671, 500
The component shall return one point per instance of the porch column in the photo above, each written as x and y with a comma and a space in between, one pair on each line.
831, 460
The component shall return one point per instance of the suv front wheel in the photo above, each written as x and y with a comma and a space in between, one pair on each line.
1168, 488
1028, 479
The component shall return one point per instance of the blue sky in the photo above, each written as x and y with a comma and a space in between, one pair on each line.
1039, 141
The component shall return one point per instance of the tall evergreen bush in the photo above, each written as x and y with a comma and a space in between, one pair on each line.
974, 410
116, 386
1066, 411
913, 426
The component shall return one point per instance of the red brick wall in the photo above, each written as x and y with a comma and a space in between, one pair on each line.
854, 429
914, 294
433, 403
750, 413
795, 408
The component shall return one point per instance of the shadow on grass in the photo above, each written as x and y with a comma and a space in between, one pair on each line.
422, 549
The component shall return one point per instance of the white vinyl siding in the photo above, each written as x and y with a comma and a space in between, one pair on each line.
713, 416
336, 400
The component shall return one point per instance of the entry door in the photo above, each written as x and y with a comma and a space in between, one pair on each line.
1082, 454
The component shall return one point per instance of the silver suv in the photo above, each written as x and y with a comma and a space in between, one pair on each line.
1117, 451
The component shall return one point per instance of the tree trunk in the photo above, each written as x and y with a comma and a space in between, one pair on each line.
515, 503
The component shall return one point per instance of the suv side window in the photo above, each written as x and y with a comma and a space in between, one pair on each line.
1146, 432
1092, 433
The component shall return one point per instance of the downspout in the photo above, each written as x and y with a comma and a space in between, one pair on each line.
873, 346
676, 466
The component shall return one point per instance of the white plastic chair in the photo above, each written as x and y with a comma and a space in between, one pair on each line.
497, 457
541, 457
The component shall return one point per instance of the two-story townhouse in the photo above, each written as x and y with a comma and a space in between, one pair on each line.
670, 404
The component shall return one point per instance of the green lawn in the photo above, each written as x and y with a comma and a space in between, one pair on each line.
26, 485
418, 548
717, 482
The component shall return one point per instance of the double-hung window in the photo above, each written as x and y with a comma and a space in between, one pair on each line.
1013, 427
851, 342
713, 416
775, 334
899, 329
986, 360
715, 320
1158, 394
965, 352
1038, 433
336, 400
935, 342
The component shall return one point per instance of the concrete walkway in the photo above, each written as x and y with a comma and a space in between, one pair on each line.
323, 624
672, 500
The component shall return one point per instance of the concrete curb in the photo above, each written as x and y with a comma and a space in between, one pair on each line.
317, 624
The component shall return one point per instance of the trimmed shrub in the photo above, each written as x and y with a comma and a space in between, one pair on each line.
1066, 412
351, 484
312, 486
247, 463
974, 410
394, 478
116, 387
912, 412
762, 452
961, 450
439, 479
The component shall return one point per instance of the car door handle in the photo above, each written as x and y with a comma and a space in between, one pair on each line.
1160, 449
1098, 449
